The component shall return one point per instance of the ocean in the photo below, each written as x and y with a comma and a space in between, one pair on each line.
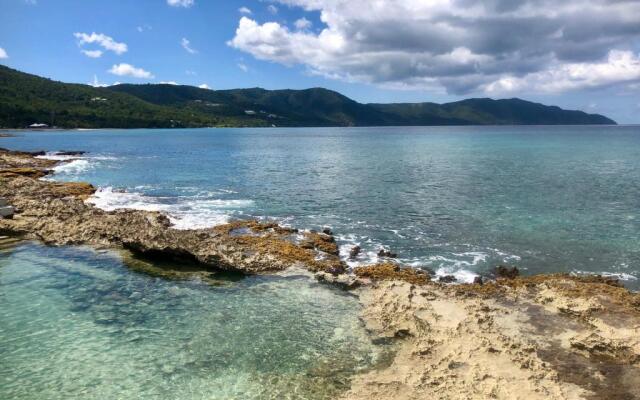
456, 200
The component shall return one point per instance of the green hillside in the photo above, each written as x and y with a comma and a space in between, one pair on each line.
26, 99
488, 112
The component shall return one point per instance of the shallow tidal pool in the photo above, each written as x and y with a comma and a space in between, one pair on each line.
80, 323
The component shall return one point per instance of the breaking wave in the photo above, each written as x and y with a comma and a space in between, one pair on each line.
184, 212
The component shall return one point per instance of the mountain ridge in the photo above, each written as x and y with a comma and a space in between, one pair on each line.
26, 99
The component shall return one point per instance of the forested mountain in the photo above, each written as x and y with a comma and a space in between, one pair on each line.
26, 99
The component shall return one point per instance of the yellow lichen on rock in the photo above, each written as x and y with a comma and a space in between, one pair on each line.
390, 271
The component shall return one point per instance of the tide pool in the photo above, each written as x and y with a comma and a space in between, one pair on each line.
78, 323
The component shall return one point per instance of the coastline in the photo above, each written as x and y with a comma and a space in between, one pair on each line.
511, 338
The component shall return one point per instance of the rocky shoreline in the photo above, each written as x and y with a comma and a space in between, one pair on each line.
536, 337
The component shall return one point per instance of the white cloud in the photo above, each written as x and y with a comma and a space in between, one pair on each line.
142, 28
272, 9
102, 40
169, 83
244, 10
181, 3
204, 86
3, 53
92, 53
620, 66
186, 44
190, 72
302, 24
243, 66
454, 46
129, 70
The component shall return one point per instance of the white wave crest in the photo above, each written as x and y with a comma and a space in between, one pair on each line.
184, 212
623, 276
75, 164
57, 157
74, 167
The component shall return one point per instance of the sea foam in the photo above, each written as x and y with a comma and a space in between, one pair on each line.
184, 212
74, 167
75, 164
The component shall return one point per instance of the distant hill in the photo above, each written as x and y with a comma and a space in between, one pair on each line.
488, 112
27, 99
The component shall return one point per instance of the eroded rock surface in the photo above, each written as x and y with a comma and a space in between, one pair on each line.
559, 338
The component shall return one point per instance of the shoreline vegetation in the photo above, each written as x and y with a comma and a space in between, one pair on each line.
554, 336
31, 101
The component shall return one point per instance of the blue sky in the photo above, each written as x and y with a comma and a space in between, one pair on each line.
393, 51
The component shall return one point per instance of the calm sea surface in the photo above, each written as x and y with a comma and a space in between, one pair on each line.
75, 323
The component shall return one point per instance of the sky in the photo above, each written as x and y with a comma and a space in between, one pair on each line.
577, 54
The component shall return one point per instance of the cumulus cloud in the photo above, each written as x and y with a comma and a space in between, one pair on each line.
129, 70
620, 66
457, 46
243, 66
169, 83
3, 54
245, 10
186, 44
302, 24
204, 86
272, 9
181, 3
102, 40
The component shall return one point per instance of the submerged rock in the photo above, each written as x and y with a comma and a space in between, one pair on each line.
353, 253
387, 253
447, 279
70, 153
344, 281
507, 272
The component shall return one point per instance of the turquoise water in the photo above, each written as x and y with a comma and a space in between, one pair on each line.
80, 324
454, 199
